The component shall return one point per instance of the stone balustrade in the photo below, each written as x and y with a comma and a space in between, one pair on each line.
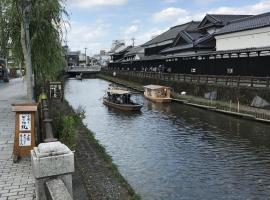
53, 165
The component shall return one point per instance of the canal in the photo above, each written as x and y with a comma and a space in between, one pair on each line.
175, 151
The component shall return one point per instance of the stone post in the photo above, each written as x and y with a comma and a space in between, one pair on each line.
52, 160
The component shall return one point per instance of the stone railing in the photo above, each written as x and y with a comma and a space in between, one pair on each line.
52, 163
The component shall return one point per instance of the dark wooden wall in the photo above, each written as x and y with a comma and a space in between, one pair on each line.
245, 66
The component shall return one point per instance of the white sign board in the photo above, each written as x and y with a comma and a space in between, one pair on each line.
25, 122
24, 139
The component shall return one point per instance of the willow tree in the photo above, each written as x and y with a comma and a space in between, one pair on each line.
4, 28
36, 33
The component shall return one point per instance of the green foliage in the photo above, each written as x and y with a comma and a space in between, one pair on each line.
67, 134
66, 125
64, 110
79, 115
4, 28
47, 20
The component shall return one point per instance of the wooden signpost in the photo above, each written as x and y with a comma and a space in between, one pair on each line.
25, 136
56, 90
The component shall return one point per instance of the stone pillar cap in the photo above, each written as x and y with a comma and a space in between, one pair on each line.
51, 149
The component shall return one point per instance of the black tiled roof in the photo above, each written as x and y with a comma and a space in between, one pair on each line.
134, 50
177, 48
220, 20
248, 23
227, 18
122, 51
172, 33
199, 41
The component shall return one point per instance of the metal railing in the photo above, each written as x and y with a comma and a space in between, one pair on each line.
236, 81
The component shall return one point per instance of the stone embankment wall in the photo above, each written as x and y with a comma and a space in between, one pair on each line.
231, 100
225, 93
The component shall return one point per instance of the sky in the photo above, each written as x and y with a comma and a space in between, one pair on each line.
94, 24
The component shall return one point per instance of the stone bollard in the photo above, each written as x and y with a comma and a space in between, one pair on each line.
52, 160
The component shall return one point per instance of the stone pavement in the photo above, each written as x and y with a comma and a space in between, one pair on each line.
16, 180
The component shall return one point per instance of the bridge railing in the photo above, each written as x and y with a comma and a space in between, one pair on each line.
236, 81
83, 69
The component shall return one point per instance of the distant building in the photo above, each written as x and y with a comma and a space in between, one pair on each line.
166, 39
102, 53
230, 45
134, 53
72, 57
118, 50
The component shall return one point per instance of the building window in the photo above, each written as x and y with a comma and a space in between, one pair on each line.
193, 70
229, 70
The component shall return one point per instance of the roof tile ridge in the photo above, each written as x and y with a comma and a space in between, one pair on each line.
211, 16
248, 17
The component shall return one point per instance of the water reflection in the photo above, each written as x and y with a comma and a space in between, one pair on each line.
172, 151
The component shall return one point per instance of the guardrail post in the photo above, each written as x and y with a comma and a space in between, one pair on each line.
52, 160
49, 137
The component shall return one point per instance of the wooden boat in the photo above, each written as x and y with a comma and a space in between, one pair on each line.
158, 93
119, 98
79, 77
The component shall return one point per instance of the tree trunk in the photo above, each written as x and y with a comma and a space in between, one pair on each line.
25, 42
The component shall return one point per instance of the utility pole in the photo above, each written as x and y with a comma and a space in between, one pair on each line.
85, 56
26, 47
133, 41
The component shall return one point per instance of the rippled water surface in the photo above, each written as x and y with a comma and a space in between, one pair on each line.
178, 152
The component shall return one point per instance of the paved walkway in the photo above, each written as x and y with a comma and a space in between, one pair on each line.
16, 180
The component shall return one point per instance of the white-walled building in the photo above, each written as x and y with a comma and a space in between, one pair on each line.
250, 32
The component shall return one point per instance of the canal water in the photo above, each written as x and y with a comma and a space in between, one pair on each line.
175, 151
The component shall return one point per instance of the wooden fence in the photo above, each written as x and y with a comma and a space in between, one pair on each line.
236, 81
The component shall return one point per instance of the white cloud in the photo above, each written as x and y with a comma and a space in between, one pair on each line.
131, 30
183, 16
257, 8
169, 14
91, 36
148, 35
96, 36
94, 3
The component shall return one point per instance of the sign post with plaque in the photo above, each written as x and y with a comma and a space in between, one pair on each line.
25, 135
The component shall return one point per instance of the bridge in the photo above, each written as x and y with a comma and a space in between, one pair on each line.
72, 71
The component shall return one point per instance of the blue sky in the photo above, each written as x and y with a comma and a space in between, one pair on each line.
95, 23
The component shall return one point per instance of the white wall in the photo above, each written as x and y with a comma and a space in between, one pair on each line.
244, 39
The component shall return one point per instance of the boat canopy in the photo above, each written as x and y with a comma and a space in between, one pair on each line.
118, 91
156, 87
